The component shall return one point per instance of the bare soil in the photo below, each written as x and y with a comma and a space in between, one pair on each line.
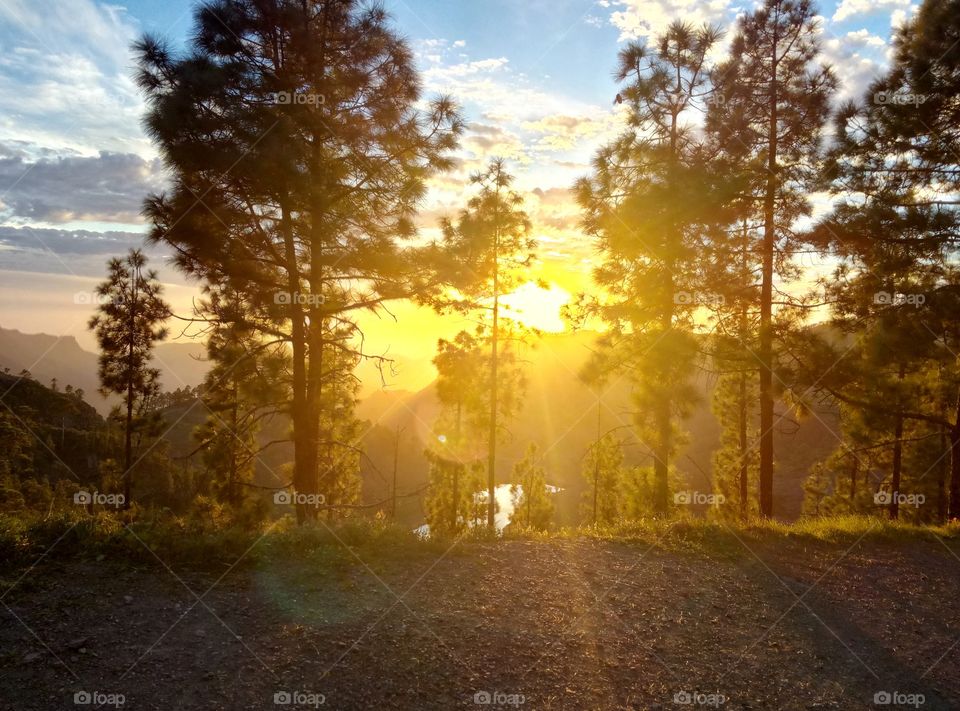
559, 624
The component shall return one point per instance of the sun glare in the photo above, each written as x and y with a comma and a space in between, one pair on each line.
537, 307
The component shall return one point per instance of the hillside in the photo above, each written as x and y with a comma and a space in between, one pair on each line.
50, 435
61, 357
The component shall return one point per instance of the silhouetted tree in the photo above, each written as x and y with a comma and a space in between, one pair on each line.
299, 150
649, 207
490, 246
532, 506
603, 499
243, 389
127, 326
772, 101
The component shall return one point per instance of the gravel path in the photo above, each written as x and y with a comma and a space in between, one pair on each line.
532, 625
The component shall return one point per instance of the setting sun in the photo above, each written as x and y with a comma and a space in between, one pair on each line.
536, 307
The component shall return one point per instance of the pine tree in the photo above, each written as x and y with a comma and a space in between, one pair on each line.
490, 248
735, 461
649, 207
772, 102
603, 499
127, 326
532, 507
464, 380
298, 151
243, 388
895, 230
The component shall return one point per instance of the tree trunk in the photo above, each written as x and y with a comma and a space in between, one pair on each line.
897, 457
853, 483
298, 409
128, 427
457, 466
128, 447
954, 507
396, 461
596, 465
494, 358
232, 493
661, 465
942, 477
766, 301
744, 464
315, 325
897, 467
492, 443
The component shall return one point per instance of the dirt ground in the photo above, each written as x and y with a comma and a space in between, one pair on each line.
562, 624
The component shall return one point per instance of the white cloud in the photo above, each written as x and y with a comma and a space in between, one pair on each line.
65, 77
645, 19
900, 16
852, 8
863, 38
857, 58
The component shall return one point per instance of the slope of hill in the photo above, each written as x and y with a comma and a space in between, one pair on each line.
47, 434
47, 357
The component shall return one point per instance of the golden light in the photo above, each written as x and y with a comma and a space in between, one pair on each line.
537, 307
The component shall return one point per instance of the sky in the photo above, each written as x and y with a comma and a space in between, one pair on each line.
533, 78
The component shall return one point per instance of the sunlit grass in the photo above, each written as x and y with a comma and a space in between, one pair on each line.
72, 535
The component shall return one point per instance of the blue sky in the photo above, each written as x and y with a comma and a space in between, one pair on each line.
533, 76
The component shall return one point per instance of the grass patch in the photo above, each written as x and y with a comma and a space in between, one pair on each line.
850, 528
69, 536
75, 535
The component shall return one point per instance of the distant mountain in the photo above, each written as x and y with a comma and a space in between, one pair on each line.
47, 357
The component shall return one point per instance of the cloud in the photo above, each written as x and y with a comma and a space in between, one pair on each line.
899, 16
852, 8
74, 252
857, 59
863, 38
645, 19
564, 132
65, 77
109, 187
68, 243
485, 141
554, 207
